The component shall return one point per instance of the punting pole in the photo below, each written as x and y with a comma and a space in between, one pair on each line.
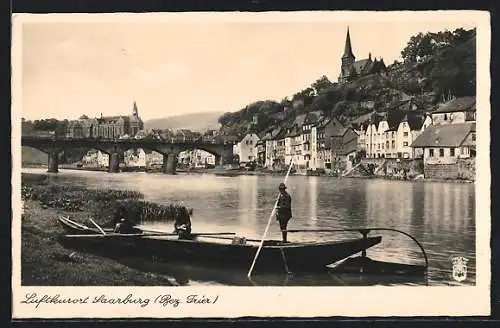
98, 227
268, 223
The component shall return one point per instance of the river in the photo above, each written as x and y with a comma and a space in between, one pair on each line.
440, 215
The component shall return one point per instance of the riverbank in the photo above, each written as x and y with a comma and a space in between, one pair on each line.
45, 262
238, 172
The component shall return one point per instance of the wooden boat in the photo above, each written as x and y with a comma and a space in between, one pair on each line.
221, 251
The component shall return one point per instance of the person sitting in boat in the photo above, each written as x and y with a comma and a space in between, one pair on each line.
125, 227
283, 210
182, 225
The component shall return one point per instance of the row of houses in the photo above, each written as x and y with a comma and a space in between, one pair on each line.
313, 141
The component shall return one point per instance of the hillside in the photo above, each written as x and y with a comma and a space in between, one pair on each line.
436, 66
195, 122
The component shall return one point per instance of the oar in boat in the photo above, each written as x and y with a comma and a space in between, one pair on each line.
98, 227
268, 224
195, 234
66, 218
153, 234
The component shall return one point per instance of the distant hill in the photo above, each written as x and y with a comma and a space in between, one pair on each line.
195, 121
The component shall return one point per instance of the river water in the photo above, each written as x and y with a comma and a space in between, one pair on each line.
438, 214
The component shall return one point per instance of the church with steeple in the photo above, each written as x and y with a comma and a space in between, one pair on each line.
109, 127
352, 68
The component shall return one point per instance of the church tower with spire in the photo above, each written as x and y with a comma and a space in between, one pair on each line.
136, 123
135, 111
352, 69
348, 59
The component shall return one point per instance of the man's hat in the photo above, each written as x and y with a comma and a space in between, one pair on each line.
282, 186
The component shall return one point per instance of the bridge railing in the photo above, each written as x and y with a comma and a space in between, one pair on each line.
171, 140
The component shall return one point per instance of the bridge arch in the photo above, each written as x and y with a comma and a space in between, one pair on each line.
116, 147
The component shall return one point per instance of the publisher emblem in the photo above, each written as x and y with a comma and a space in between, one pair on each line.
459, 268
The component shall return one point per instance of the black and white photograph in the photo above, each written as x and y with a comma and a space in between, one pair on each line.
194, 152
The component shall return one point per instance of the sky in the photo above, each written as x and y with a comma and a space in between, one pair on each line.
172, 67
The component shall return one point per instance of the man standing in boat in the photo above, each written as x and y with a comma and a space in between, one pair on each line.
283, 210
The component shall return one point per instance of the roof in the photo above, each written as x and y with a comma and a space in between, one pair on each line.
360, 64
461, 104
111, 119
363, 118
294, 131
300, 119
415, 120
348, 48
447, 135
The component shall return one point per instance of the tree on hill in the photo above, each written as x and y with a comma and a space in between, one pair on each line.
321, 84
421, 47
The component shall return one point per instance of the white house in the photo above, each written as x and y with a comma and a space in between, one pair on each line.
102, 159
456, 111
314, 149
96, 157
375, 136
410, 127
246, 149
135, 158
445, 143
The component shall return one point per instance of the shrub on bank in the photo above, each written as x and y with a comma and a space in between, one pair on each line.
138, 211
106, 206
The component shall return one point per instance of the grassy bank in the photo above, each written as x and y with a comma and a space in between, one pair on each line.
45, 262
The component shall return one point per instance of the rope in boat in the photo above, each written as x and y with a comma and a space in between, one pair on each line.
269, 223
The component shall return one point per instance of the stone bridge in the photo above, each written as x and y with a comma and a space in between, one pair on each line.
170, 149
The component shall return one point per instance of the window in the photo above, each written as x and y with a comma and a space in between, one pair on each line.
405, 134
431, 152
382, 146
405, 143
387, 144
441, 152
392, 134
445, 117
452, 152
473, 137
393, 144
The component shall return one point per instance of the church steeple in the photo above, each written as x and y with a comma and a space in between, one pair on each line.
135, 111
348, 49
347, 70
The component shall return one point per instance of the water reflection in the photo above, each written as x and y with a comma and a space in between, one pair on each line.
440, 215
313, 205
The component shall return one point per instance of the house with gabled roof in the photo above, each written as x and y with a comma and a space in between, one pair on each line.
410, 127
458, 110
331, 139
444, 145
246, 148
